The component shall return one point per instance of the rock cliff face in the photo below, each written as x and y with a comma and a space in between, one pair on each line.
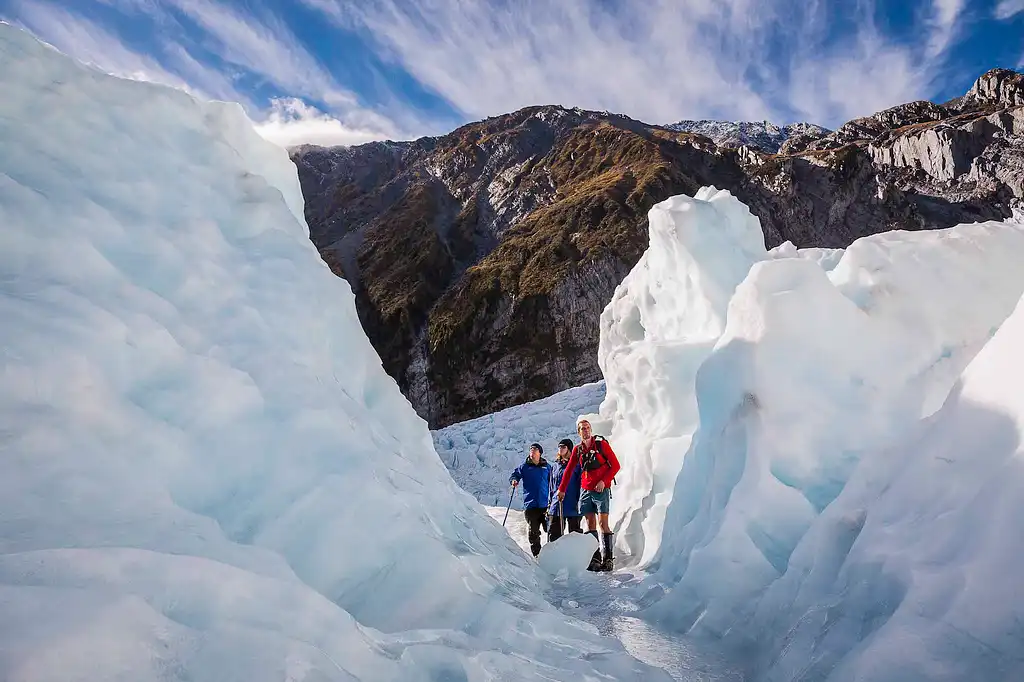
481, 260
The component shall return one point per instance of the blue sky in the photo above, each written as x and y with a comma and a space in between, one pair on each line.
349, 71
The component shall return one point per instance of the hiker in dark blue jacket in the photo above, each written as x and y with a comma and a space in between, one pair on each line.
535, 473
566, 512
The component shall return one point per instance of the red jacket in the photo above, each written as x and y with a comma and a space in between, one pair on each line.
608, 465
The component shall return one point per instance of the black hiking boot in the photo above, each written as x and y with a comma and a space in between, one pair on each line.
595, 561
607, 544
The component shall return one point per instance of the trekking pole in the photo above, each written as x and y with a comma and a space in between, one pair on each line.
509, 506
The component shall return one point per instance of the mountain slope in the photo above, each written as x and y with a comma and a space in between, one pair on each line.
482, 259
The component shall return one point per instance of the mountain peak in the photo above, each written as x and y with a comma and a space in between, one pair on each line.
998, 86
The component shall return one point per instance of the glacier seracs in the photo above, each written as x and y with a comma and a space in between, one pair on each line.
747, 388
912, 573
207, 475
662, 322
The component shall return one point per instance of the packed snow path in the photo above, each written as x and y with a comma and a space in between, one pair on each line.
480, 454
607, 601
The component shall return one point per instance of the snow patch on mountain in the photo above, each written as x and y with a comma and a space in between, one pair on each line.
763, 135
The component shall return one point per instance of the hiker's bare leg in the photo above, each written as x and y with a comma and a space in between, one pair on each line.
604, 523
592, 522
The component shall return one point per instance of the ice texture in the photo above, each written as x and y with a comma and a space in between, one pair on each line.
913, 572
774, 413
207, 475
568, 555
662, 322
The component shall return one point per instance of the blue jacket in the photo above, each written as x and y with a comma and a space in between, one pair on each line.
536, 480
571, 503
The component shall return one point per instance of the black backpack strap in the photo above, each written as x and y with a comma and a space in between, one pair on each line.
597, 446
600, 439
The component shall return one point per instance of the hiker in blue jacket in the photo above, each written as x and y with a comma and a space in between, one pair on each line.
535, 473
566, 512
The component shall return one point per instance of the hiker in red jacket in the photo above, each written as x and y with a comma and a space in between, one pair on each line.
597, 459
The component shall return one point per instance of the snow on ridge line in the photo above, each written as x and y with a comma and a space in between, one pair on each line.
207, 473
746, 389
762, 135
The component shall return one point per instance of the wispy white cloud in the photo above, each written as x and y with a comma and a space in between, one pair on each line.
865, 72
211, 82
943, 25
489, 57
151, 7
90, 43
673, 59
843, 87
292, 122
1008, 8
263, 45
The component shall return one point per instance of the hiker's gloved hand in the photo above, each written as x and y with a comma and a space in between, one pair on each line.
599, 487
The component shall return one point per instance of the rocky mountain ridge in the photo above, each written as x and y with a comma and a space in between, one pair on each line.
762, 135
481, 260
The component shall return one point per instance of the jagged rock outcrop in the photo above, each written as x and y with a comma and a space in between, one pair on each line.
950, 149
997, 88
481, 260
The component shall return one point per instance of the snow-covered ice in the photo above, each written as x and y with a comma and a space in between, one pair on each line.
568, 555
813, 370
207, 475
481, 453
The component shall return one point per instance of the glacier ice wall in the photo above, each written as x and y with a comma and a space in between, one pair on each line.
662, 322
912, 573
207, 475
817, 361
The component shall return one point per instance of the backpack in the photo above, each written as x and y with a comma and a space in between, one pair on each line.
589, 459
